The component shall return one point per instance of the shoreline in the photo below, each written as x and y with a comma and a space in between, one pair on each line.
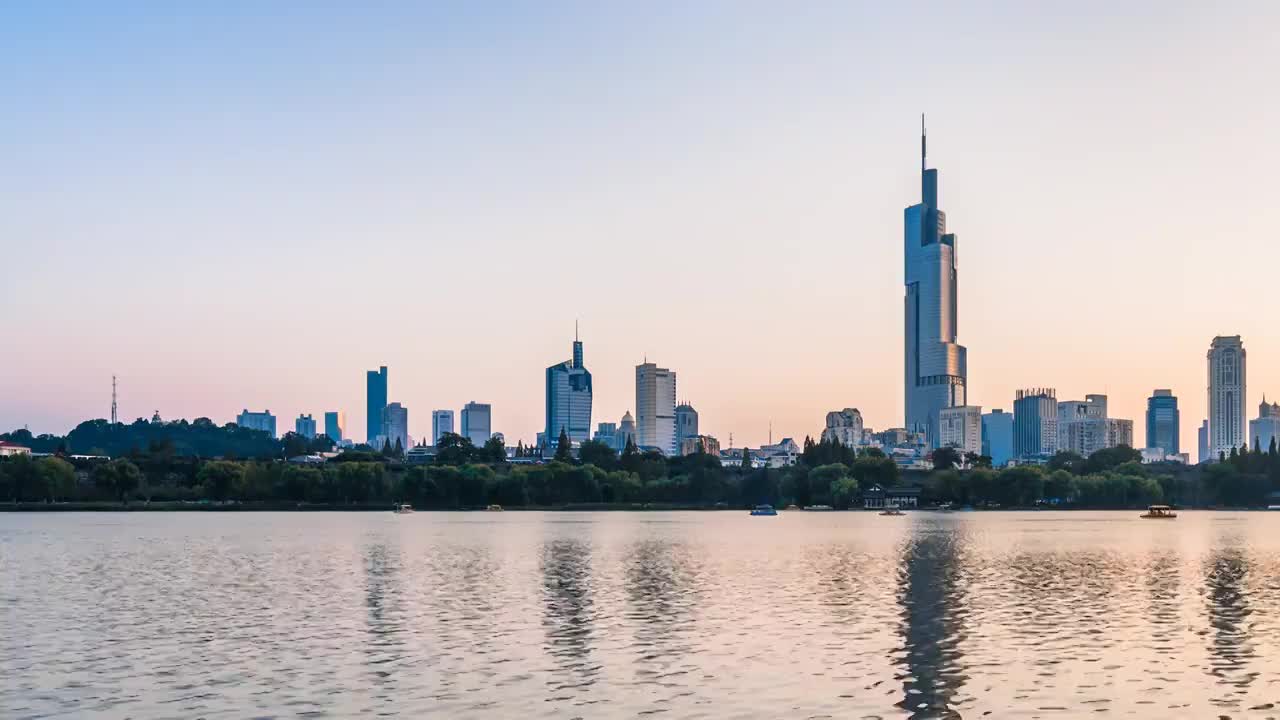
178, 506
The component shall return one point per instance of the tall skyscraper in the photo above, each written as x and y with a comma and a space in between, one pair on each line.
263, 421
656, 408
305, 426
335, 425
936, 368
441, 423
686, 423
568, 405
1035, 423
1163, 426
395, 425
1226, 395
1265, 430
375, 401
997, 437
477, 422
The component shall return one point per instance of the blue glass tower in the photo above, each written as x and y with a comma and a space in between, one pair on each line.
1163, 426
935, 365
376, 400
569, 399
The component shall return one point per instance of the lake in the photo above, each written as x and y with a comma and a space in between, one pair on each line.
612, 615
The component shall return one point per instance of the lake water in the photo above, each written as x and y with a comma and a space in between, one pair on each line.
688, 615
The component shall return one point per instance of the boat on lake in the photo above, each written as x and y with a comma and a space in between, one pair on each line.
494, 508
404, 509
893, 510
764, 510
1159, 512
818, 508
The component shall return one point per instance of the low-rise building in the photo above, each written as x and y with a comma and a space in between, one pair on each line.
8, 449
264, 421
700, 444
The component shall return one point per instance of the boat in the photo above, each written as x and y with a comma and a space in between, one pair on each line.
818, 508
404, 509
793, 506
944, 507
764, 510
494, 508
1273, 507
892, 510
1159, 512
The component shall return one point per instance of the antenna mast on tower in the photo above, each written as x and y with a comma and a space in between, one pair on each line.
113, 399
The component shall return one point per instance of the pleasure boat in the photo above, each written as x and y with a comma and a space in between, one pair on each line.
404, 509
764, 511
1159, 512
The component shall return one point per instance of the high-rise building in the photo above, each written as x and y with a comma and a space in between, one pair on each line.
441, 423
395, 425
568, 399
606, 433
686, 423
997, 437
263, 421
626, 431
1082, 425
1265, 430
845, 427
1119, 432
477, 422
656, 408
1163, 425
1226, 394
694, 444
305, 426
335, 425
375, 401
960, 427
1035, 423
936, 368
1202, 437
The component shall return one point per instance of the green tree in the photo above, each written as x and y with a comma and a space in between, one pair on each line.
494, 450
119, 477
1069, 461
57, 476
594, 452
222, 479
564, 448
454, 449
946, 458
1109, 458
746, 459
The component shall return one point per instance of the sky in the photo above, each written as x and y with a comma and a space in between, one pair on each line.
248, 205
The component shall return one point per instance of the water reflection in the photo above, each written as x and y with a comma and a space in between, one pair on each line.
1231, 647
568, 616
933, 614
384, 602
660, 585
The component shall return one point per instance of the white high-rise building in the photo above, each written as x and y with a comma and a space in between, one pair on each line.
441, 423
961, 428
1266, 428
656, 408
395, 426
1226, 395
477, 422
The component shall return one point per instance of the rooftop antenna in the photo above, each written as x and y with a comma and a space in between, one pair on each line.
770, 432
113, 399
575, 329
923, 148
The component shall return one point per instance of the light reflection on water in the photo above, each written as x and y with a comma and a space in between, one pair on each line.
623, 614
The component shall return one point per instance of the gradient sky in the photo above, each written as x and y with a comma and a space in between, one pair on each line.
237, 205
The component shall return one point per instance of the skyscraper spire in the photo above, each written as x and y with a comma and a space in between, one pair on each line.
923, 148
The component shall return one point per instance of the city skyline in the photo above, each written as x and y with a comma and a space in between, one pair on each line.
762, 179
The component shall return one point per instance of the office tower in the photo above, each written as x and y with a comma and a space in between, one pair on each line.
626, 431
395, 425
997, 437
1226, 395
1119, 432
935, 372
845, 427
960, 427
441, 423
606, 433
1035, 423
1163, 426
1082, 425
477, 422
656, 408
305, 426
568, 406
1202, 437
686, 423
375, 401
335, 425
263, 421
1265, 430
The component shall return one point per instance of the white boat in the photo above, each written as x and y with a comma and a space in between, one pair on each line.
818, 508
403, 509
